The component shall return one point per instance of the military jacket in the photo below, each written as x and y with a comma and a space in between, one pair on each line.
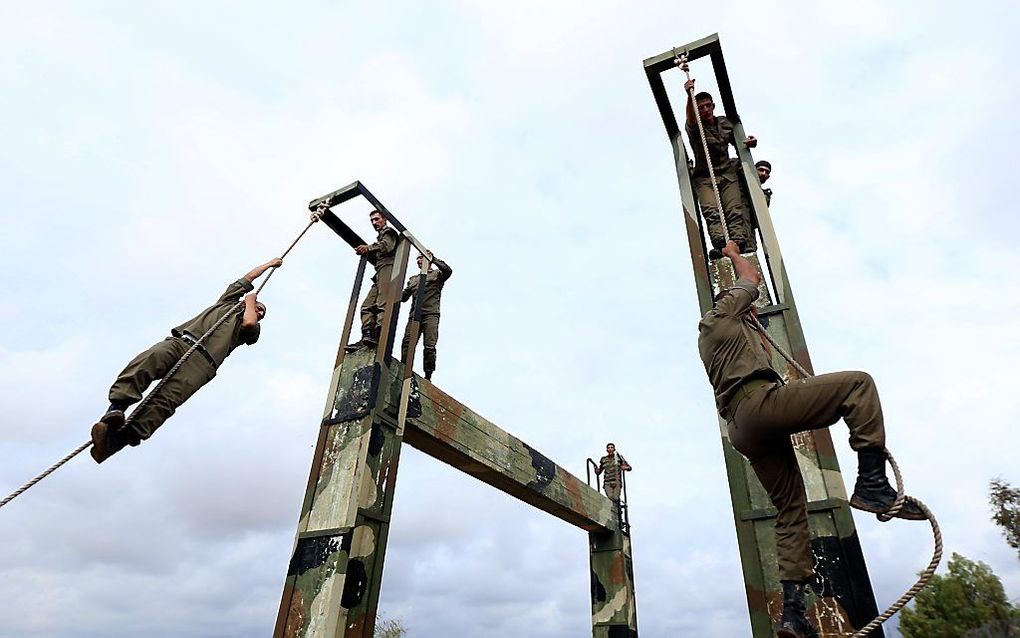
381, 253
229, 335
434, 282
610, 467
719, 136
730, 348
768, 196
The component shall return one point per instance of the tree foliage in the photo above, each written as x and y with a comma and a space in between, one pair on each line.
1005, 501
389, 628
968, 601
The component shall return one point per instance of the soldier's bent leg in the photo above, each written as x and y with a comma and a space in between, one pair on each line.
196, 372
709, 209
818, 402
369, 318
736, 214
407, 340
430, 334
775, 465
143, 370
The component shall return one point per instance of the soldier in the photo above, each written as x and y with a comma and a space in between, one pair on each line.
380, 255
719, 135
429, 326
764, 168
762, 412
614, 465
109, 436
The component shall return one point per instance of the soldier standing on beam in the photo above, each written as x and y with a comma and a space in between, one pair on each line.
429, 326
764, 168
762, 412
614, 465
718, 135
109, 435
380, 254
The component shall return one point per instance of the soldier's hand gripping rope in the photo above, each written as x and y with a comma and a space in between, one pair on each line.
251, 308
898, 504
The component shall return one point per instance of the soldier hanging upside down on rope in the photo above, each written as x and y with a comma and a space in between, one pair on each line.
110, 435
762, 412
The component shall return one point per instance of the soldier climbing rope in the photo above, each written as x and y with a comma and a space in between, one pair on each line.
901, 497
315, 217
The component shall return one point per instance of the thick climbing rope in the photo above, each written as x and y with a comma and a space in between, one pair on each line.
681, 61
316, 216
886, 516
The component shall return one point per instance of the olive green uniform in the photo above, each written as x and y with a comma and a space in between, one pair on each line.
198, 370
612, 474
429, 326
762, 413
719, 135
380, 255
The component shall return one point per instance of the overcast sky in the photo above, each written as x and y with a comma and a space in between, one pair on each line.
153, 152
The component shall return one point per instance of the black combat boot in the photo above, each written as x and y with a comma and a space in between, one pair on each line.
428, 375
873, 493
114, 416
793, 623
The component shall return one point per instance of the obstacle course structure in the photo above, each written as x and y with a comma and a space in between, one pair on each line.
374, 405
845, 600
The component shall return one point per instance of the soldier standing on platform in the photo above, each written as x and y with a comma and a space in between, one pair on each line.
613, 465
380, 254
109, 436
719, 136
762, 412
764, 168
429, 326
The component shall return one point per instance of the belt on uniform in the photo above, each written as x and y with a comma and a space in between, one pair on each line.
190, 339
743, 391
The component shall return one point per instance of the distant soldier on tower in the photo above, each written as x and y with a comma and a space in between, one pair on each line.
613, 465
429, 326
762, 412
719, 136
380, 254
764, 168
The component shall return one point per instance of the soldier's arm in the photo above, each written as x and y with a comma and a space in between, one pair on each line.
624, 465
412, 285
743, 268
736, 300
257, 271
385, 244
445, 272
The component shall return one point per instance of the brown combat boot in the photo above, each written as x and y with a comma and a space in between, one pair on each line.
108, 440
793, 623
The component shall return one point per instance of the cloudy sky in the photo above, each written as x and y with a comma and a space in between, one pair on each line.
153, 152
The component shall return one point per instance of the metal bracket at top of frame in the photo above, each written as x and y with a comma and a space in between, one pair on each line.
347, 193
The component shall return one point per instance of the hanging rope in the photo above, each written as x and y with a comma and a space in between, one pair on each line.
886, 516
681, 61
316, 216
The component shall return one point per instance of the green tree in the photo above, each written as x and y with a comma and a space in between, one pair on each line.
1005, 500
969, 598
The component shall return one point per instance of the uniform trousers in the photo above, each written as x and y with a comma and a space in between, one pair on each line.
154, 364
737, 216
428, 329
761, 429
374, 305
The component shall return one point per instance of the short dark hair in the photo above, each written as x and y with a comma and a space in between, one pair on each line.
704, 95
377, 212
610, 443
767, 164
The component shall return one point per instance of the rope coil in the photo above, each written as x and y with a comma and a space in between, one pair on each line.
315, 217
886, 516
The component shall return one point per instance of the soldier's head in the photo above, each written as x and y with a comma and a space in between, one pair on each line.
764, 170
260, 309
610, 448
377, 219
706, 107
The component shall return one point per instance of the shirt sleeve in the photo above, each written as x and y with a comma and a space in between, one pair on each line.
737, 299
386, 243
235, 290
250, 335
412, 285
445, 272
